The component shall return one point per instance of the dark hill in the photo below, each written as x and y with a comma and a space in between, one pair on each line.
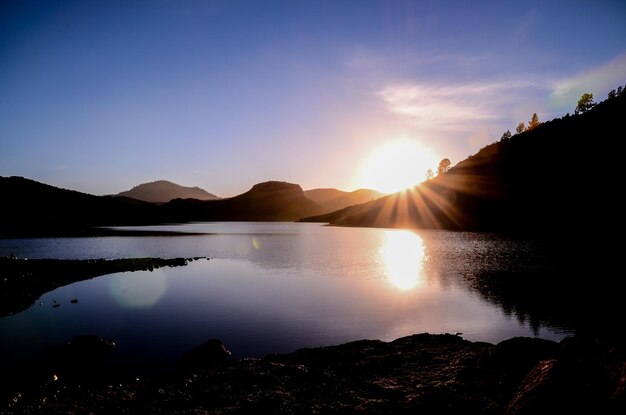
162, 191
333, 199
29, 207
269, 201
563, 175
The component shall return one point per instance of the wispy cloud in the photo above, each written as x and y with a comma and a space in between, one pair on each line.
454, 107
598, 80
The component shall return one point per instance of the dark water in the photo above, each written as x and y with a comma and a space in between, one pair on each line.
273, 287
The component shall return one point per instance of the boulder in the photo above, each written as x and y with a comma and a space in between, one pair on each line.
554, 386
619, 393
83, 357
209, 353
520, 354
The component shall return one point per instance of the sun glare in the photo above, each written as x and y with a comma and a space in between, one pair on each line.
396, 165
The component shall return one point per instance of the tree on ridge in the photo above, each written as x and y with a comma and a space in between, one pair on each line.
585, 103
534, 122
444, 166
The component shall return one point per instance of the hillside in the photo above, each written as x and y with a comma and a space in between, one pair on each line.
269, 201
560, 176
333, 199
30, 207
162, 191
321, 196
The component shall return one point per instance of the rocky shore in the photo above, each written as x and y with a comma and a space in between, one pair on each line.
23, 281
423, 373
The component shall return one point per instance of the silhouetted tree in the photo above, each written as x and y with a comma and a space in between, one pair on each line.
612, 94
444, 166
506, 135
520, 128
585, 103
429, 174
534, 122
620, 89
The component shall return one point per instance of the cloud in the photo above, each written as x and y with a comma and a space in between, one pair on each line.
599, 81
455, 107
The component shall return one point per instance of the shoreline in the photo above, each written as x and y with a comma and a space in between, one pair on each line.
428, 373
23, 281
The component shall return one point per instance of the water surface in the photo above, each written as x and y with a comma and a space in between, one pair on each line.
272, 287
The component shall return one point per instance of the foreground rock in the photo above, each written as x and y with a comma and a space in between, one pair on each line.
429, 374
24, 281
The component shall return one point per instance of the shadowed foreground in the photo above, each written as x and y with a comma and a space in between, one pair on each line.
431, 374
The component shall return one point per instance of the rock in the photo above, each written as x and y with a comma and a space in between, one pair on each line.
521, 354
91, 346
432, 374
74, 301
554, 386
619, 393
536, 394
208, 354
83, 357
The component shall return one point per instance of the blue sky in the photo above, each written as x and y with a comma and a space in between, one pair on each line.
99, 96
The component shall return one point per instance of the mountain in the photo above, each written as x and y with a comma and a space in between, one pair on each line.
333, 199
321, 196
268, 201
563, 176
162, 191
31, 208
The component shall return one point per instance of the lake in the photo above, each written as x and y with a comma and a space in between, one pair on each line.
272, 287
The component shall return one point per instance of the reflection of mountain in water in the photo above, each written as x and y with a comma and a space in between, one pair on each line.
575, 287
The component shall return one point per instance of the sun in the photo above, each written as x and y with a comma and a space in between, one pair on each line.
396, 165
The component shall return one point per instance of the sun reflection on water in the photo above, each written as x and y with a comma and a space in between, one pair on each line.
403, 257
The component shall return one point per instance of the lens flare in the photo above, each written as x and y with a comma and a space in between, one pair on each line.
139, 289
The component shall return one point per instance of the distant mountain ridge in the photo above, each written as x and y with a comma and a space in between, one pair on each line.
31, 208
333, 199
162, 191
564, 176
268, 201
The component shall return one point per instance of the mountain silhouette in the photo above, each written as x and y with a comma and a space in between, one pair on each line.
333, 199
32, 208
162, 191
561, 176
268, 201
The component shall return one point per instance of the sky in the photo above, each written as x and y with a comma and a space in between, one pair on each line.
99, 96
